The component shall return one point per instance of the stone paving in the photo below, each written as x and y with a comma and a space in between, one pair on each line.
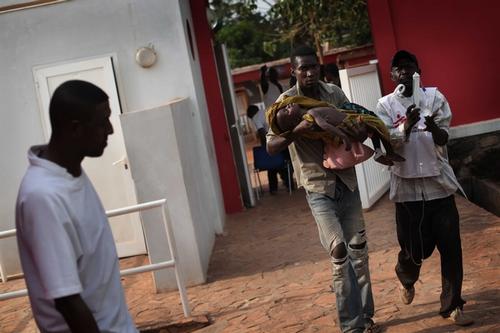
268, 273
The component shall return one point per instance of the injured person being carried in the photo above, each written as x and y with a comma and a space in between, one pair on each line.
331, 125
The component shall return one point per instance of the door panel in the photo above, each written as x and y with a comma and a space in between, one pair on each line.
110, 173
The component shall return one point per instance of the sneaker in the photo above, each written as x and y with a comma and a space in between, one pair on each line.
459, 318
406, 295
372, 327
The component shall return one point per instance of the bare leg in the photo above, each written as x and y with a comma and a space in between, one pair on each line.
389, 152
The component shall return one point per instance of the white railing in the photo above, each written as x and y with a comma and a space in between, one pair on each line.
135, 270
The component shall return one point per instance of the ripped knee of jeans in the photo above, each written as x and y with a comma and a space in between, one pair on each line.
339, 254
358, 242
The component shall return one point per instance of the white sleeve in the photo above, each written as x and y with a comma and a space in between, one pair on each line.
397, 135
46, 231
258, 122
443, 118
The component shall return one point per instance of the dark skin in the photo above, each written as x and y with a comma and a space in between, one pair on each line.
269, 74
328, 119
403, 74
80, 138
69, 144
307, 71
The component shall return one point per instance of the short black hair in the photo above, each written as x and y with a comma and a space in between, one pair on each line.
252, 110
403, 54
302, 51
73, 100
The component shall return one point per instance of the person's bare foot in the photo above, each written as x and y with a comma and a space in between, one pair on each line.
381, 158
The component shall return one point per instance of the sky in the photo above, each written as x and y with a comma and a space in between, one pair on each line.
264, 5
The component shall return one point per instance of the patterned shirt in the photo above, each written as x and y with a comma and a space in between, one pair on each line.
307, 154
427, 188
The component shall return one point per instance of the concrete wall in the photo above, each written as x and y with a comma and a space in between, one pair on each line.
92, 28
169, 168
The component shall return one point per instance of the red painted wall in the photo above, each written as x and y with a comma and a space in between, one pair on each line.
457, 44
225, 160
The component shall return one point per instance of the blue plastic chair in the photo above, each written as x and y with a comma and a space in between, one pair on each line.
262, 161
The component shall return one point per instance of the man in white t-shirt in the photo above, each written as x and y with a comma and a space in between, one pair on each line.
65, 243
271, 88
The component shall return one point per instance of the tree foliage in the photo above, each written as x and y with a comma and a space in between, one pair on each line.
314, 22
245, 32
253, 37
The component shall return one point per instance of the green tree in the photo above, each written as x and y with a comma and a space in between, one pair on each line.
252, 37
245, 32
341, 22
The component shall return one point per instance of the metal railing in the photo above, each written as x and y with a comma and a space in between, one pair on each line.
135, 270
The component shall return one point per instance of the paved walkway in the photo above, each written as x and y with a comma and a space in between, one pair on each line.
268, 273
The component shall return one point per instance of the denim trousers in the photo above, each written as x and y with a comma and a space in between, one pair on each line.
421, 227
340, 221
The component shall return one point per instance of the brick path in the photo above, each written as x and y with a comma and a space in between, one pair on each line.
268, 273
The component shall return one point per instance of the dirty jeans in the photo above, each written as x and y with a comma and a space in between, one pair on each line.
340, 220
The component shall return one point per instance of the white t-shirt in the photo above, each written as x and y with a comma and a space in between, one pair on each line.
272, 95
260, 120
66, 248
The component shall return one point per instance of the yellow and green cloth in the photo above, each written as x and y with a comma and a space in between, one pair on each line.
355, 113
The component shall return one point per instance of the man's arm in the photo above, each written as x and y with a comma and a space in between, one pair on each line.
261, 133
327, 119
439, 135
263, 80
412, 118
397, 134
439, 122
276, 143
77, 314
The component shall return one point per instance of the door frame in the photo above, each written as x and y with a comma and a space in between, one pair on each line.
41, 75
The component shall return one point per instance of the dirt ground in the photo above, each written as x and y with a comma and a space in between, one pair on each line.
268, 273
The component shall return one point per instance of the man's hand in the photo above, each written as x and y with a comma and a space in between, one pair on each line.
439, 135
77, 314
430, 123
412, 117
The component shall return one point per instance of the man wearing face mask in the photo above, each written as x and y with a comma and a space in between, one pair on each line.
423, 186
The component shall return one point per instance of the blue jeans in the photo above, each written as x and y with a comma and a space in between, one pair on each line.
341, 225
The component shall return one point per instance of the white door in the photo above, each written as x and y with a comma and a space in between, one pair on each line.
362, 86
109, 174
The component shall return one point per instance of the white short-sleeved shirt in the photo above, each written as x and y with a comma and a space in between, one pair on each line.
260, 120
66, 248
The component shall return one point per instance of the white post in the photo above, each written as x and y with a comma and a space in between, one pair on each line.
178, 275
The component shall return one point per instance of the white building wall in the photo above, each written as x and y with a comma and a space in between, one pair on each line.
92, 28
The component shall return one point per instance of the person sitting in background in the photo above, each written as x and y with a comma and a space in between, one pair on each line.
271, 88
258, 117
